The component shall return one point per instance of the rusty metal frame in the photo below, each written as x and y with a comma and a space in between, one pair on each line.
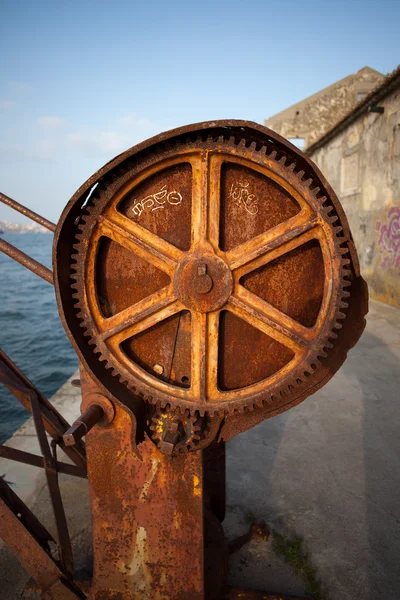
30, 541
37, 461
54, 423
46, 419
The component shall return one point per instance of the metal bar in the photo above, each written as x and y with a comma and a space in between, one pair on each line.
29, 540
55, 424
29, 520
26, 261
37, 461
27, 212
92, 415
50, 465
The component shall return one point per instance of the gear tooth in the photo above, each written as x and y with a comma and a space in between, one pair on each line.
163, 403
327, 210
315, 191
282, 161
340, 315
322, 354
323, 200
333, 336
242, 143
300, 174
345, 262
253, 146
263, 150
292, 166
343, 304
273, 155
345, 294
338, 325
308, 182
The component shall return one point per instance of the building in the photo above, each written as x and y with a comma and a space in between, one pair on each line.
360, 157
311, 118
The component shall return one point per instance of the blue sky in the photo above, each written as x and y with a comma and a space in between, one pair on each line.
82, 81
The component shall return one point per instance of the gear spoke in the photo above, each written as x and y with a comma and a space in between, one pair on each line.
214, 195
205, 328
288, 325
284, 330
200, 200
141, 242
146, 316
247, 255
137, 312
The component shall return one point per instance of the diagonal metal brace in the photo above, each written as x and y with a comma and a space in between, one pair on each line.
29, 540
50, 465
20, 386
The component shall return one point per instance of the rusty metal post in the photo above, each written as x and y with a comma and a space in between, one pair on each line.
148, 514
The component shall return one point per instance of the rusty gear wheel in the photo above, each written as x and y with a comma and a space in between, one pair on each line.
189, 429
212, 272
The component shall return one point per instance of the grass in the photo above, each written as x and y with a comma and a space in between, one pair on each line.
291, 549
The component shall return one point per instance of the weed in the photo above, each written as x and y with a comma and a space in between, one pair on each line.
291, 549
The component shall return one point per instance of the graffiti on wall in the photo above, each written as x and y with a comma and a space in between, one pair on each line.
389, 238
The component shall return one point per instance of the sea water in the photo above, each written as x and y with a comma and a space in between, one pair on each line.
31, 333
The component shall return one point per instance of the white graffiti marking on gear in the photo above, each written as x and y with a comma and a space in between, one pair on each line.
157, 200
241, 196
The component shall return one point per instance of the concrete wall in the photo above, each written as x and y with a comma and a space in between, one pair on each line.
363, 166
313, 117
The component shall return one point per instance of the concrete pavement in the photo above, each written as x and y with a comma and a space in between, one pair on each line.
327, 470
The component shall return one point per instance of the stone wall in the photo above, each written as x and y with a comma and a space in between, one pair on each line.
363, 166
313, 117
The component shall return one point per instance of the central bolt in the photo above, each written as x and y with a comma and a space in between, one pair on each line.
201, 282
